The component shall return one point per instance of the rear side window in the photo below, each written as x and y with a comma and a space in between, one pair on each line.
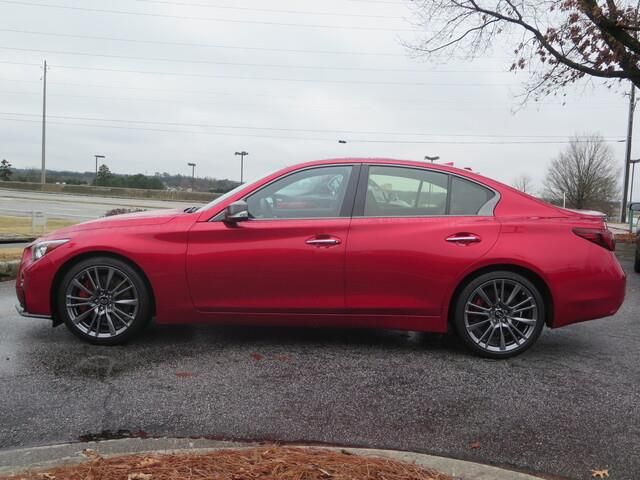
468, 198
402, 192
394, 191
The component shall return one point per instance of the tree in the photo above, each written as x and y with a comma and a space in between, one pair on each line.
586, 173
5, 170
104, 176
524, 183
560, 41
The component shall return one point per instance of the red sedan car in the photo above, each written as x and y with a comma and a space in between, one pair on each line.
350, 242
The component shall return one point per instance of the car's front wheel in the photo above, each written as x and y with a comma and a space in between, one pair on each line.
499, 314
103, 300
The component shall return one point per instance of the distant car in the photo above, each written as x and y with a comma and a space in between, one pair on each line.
351, 243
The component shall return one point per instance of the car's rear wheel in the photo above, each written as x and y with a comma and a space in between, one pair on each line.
499, 314
104, 301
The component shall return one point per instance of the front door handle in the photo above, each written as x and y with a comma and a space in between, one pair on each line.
323, 241
463, 238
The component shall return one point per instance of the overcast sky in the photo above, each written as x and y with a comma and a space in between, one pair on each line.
283, 80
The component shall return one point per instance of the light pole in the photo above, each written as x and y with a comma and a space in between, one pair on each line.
242, 155
633, 173
97, 157
193, 174
432, 159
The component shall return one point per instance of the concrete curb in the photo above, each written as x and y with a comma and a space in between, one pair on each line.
14, 461
9, 270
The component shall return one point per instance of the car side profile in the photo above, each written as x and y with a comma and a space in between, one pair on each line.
375, 243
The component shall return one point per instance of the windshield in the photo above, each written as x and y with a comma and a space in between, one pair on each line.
223, 197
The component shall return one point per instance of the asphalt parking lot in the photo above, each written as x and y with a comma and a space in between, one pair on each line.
569, 405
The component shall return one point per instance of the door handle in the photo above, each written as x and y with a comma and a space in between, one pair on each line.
464, 238
324, 241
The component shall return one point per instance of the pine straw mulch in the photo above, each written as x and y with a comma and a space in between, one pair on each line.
273, 463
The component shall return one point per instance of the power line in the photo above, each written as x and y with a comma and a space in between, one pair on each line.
203, 45
307, 139
416, 102
266, 10
298, 130
208, 19
275, 79
240, 64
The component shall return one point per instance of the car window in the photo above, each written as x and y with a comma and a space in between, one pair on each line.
399, 191
468, 198
312, 193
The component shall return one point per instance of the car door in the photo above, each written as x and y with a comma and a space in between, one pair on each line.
413, 232
288, 257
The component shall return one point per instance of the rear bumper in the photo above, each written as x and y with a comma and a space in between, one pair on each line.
597, 293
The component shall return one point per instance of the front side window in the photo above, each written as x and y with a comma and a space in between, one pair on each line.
312, 193
399, 191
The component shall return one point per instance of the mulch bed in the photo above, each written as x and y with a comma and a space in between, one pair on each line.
273, 463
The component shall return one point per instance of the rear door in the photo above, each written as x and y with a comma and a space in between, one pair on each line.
414, 231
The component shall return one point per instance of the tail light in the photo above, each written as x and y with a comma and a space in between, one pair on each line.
604, 238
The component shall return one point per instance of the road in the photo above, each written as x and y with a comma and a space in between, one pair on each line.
73, 207
565, 407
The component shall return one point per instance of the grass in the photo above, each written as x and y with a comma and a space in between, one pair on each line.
8, 254
22, 225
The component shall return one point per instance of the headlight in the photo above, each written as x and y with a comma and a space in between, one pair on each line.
40, 249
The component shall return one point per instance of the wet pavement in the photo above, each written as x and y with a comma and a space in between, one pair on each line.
569, 405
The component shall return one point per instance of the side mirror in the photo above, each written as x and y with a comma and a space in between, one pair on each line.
236, 212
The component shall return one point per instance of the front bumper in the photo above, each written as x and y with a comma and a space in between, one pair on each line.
22, 313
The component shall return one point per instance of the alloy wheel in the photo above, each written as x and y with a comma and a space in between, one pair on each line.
102, 301
501, 315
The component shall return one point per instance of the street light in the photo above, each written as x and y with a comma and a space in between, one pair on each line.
193, 174
432, 159
242, 155
97, 157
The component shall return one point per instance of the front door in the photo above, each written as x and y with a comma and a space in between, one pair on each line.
288, 257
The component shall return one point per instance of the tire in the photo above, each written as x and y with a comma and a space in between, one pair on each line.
104, 301
636, 264
499, 314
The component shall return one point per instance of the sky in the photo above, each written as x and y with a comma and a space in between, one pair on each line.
156, 84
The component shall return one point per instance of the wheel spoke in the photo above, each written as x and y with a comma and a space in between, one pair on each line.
524, 309
109, 277
484, 296
112, 328
484, 309
93, 321
120, 292
493, 330
502, 292
523, 302
76, 283
503, 345
123, 321
479, 324
82, 316
129, 301
81, 304
125, 315
513, 335
95, 270
88, 274
512, 296
526, 321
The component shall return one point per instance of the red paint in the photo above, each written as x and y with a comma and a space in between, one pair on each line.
384, 272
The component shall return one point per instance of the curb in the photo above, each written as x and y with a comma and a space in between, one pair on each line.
14, 461
9, 270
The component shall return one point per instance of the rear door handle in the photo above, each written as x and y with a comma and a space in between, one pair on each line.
323, 241
463, 238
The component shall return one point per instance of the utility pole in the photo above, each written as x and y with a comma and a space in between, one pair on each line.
627, 158
193, 175
43, 173
97, 157
242, 155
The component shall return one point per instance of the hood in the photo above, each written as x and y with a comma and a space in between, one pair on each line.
151, 217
